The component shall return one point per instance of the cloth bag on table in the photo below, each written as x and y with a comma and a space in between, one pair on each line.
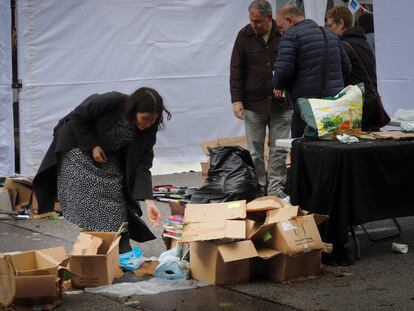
326, 117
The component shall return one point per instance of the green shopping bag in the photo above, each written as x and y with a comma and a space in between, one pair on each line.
329, 116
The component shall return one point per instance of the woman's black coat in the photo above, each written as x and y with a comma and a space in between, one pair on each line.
83, 128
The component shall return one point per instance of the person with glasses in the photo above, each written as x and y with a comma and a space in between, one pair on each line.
340, 21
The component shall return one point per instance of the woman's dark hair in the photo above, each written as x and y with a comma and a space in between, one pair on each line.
366, 22
146, 99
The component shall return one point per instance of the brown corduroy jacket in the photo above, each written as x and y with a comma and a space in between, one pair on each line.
251, 69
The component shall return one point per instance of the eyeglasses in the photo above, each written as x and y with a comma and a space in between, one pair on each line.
329, 26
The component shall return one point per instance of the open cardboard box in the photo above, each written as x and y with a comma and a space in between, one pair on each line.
22, 196
5, 202
32, 278
295, 236
221, 263
215, 221
95, 259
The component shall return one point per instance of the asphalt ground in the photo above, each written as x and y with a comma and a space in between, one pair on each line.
380, 280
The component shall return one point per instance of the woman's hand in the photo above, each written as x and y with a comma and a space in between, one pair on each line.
152, 212
99, 155
278, 93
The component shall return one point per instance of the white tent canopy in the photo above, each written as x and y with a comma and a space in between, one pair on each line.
68, 50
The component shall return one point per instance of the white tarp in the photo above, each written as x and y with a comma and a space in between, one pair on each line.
71, 49
315, 9
6, 95
394, 49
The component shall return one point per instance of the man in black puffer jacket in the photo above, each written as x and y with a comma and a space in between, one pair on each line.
301, 62
339, 20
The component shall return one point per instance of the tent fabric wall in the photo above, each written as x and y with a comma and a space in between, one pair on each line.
71, 49
315, 9
394, 48
6, 94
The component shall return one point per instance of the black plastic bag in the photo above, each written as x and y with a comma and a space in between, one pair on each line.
231, 177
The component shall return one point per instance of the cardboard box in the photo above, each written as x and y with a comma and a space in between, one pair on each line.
221, 264
239, 141
214, 221
297, 235
215, 211
95, 259
222, 229
5, 202
266, 203
22, 196
20, 190
32, 278
294, 267
264, 213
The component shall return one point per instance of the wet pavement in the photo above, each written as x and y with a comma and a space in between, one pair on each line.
381, 280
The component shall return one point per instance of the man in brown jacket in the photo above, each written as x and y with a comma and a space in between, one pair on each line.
251, 71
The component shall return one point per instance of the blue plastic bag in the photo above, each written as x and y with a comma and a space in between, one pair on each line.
131, 260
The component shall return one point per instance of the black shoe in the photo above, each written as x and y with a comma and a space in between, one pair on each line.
124, 245
261, 191
339, 257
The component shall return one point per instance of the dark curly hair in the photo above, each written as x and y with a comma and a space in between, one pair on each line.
146, 99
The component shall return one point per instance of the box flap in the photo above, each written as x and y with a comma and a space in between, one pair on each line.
281, 214
237, 250
215, 211
265, 203
261, 233
55, 254
327, 247
7, 282
86, 244
114, 244
203, 231
266, 253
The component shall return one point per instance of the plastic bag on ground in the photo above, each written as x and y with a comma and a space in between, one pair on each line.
231, 177
131, 260
153, 286
172, 264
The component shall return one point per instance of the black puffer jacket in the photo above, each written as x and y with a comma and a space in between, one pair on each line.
299, 66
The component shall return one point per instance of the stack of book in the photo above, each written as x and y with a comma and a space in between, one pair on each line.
173, 227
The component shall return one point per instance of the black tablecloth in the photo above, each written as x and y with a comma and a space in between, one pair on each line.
353, 183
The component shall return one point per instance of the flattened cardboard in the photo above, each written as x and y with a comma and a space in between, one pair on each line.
215, 211
207, 263
5, 203
99, 269
297, 235
203, 231
239, 141
221, 142
266, 203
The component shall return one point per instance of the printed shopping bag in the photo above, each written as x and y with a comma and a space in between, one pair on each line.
329, 116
